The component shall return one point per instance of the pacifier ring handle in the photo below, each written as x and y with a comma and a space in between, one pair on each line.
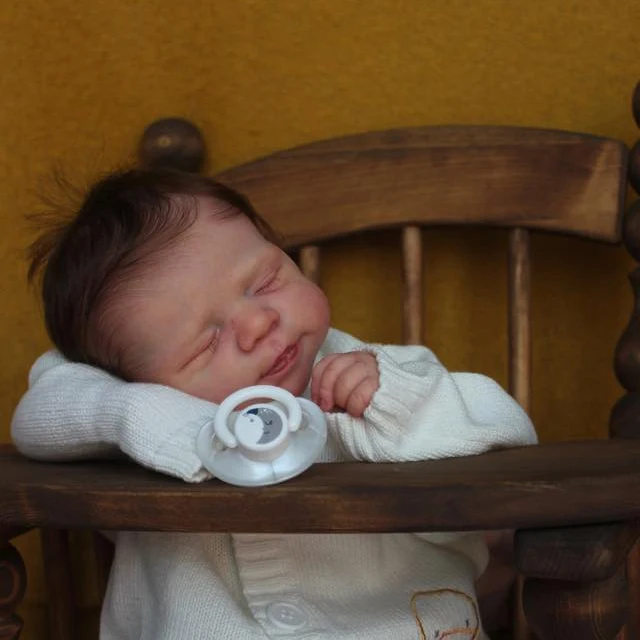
270, 392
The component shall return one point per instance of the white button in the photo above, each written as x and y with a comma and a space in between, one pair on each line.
286, 615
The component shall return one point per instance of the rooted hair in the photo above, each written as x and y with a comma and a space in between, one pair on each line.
125, 221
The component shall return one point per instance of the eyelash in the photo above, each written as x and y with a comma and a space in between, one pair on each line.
269, 283
213, 343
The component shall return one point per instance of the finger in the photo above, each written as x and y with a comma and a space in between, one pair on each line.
318, 372
360, 398
347, 380
327, 379
354, 388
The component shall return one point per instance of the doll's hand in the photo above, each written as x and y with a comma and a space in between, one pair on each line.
345, 381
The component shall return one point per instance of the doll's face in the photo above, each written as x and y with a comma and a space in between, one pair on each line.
224, 309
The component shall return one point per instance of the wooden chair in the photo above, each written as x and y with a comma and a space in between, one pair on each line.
575, 505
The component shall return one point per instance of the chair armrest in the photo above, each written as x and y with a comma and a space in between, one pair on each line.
542, 486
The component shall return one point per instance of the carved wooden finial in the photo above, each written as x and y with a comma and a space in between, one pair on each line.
173, 143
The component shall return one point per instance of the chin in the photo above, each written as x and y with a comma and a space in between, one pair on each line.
295, 389
297, 386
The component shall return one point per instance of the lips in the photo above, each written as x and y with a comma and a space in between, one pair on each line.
283, 361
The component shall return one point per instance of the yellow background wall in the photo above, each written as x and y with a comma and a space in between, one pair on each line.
80, 81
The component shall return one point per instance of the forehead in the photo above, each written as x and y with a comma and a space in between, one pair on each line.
213, 252
217, 227
188, 284
217, 240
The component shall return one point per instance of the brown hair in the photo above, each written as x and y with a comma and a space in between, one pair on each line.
124, 220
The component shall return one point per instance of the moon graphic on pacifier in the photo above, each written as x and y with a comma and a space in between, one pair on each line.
268, 421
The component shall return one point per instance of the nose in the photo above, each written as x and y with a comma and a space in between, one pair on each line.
253, 323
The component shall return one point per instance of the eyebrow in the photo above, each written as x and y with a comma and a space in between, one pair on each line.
269, 257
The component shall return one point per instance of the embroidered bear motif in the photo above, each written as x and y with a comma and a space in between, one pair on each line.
424, 603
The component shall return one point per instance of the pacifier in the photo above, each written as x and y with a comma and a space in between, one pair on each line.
275, 437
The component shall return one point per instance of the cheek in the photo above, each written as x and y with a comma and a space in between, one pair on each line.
207, 383
227, 372
309, 303
212, 387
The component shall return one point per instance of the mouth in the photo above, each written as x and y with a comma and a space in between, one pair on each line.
284, 361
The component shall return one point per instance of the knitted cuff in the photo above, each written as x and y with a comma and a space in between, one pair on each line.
399, 394
161, 429
176, 456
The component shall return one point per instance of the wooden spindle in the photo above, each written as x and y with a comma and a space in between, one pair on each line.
625, 416
412, 276
56, 560
520, 317
627, 367
310, 262
635, 104
634, 167
519, 364
13, 584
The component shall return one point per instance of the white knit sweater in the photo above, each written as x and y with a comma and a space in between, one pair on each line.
249, 587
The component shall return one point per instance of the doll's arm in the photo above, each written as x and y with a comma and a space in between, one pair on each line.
73, 411
422, 411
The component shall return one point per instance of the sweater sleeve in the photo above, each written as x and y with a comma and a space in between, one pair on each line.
73, 411
422, 411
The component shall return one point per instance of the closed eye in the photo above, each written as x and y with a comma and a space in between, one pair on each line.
270, 283
206, 349
213, 343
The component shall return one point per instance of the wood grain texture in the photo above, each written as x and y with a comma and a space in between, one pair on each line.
544, 486
633, 579
504, 176
588, 552
13, 583
57, 572
412, 279
564, 610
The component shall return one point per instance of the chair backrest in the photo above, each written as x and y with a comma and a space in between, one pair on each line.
502, 176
